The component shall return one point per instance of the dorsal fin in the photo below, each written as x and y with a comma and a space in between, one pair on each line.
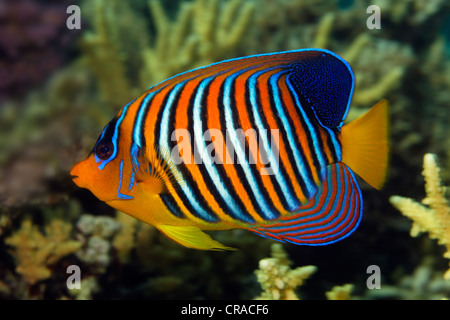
324, 83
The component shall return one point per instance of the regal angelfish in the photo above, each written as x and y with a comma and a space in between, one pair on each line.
254, 143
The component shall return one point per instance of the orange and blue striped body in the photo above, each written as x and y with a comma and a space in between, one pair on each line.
252, 143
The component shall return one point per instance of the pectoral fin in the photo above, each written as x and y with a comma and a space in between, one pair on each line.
192, 237
155, 168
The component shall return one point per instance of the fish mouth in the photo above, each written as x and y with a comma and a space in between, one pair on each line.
76, 179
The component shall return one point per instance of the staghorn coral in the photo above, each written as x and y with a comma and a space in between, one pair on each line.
391, 58
204, 31
103, 52
434, 219
277, 279
35, 252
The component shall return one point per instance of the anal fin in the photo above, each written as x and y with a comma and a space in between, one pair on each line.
332, 215
192, 237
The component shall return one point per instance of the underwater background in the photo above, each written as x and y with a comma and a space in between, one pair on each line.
60, 86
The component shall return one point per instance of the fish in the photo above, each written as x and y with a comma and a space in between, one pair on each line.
256, 143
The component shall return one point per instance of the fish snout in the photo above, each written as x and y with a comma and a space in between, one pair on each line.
76, 174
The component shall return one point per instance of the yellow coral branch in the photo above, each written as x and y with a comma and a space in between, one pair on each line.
323, 30
204, 31
35, 252
277, 279
434, 219
340, 292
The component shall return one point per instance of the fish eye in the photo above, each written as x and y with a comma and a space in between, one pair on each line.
104, 150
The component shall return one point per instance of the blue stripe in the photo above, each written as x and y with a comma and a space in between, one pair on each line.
354, 197
164, 139
300, 164
140, 119
119, 194
311, 129
267, 211
351, 209
211, 167
115, 136
293, 203
332, 212
317, 214
337, 148
97, 159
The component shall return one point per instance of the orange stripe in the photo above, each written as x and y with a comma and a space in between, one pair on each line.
149, 125
213, 122
326, 148
241, 106
300, 130
182, 120
266, 107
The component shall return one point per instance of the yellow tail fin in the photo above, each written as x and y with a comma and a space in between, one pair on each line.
365, 144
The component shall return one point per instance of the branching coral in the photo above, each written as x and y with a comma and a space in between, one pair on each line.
35, 252
104, 55
277, 279
434, 219
204, 31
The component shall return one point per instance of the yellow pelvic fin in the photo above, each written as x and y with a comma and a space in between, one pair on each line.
192, 237
365, 144
157, 170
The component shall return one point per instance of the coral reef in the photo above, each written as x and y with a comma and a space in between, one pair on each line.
127, 46
203, 31
434, 219
277, 279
